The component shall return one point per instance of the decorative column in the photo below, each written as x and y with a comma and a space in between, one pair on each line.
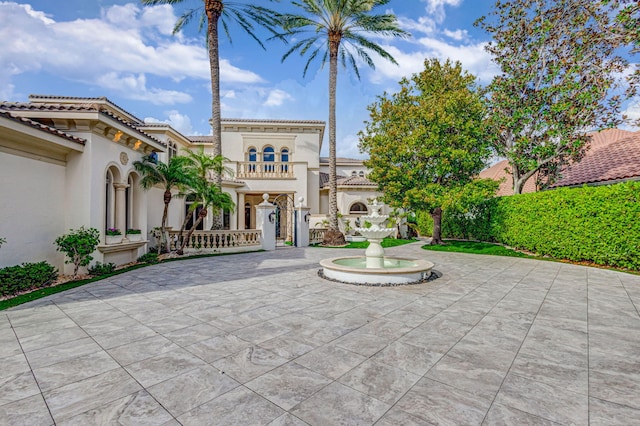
302, 224
266, 222
121, 206
240, 211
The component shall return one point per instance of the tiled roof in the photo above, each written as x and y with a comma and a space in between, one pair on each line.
614, 155
345, 181
78, 99
84, 107
200, 139
43, 127
267, 120
325, 160
356, 181
502, 171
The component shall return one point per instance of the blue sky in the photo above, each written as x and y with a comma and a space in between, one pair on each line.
126, 52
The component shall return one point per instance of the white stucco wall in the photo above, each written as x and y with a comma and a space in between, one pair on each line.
32, 214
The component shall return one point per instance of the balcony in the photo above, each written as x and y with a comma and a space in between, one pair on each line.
265, 170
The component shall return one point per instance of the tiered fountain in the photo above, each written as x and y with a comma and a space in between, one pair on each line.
374, 268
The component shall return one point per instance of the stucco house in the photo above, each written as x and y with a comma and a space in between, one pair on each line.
66, 162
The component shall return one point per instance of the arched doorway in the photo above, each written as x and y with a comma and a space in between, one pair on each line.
284, 219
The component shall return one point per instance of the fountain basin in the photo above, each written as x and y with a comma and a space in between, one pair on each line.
396, 271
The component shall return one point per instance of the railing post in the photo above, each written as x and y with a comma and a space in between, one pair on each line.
302, 224
266, 222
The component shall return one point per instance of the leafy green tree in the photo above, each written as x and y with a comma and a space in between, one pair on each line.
559, 78
169, 176
337, 30
215, 12
211, 197
78, 246
428, 142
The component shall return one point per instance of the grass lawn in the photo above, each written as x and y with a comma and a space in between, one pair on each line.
387, 242
476, 248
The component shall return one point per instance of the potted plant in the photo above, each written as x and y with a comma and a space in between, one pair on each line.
113, 236
134, 235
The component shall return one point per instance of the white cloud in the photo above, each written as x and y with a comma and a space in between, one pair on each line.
458, 35
436, 7
423, 25
135, 87
473, 57
180, 122
127, 44
277, 97
633, 115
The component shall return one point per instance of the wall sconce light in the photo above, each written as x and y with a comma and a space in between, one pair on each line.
117, 137
306, 217
136, 146
272, 217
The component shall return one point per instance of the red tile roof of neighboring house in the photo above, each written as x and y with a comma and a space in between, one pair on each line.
614, 156
502, 172
43, 127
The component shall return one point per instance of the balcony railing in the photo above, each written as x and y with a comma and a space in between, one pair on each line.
264, 170
219, 241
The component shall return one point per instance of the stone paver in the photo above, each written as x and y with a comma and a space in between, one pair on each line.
260, 339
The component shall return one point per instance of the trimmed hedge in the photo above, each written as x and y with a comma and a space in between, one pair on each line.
28, 276
599, 224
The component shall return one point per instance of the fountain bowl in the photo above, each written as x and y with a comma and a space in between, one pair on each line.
396, 271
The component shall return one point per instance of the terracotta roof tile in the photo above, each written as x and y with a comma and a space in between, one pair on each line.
502, 170
83, 107
43, 127
614, 155
325, 160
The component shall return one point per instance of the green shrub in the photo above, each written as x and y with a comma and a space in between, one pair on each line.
28, 276
599, 224
78, 246
150, 257
102, 268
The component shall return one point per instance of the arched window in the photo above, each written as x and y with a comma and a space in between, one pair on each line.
172, 150
109, 210
268, 156
247, 216
253, 157
354, 173
358, 208
129, 204
284, 157
361, 174
192, 214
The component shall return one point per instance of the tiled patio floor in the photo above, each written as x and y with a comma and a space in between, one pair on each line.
261, 339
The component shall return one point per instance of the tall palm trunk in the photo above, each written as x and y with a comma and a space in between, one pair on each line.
163, 227
333, 236
213, 9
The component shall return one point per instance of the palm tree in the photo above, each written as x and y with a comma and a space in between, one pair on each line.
214, 12
337, 29
169, 176
203, 165
210, 196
